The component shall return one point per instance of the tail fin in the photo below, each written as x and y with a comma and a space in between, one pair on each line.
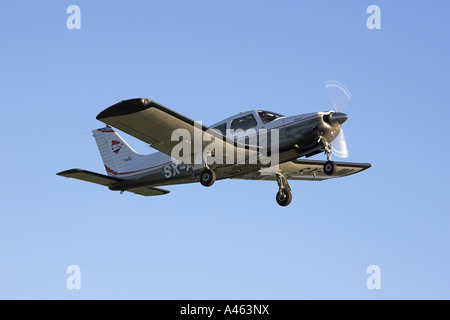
117, 155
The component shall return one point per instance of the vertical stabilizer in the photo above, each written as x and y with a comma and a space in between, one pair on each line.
117, 155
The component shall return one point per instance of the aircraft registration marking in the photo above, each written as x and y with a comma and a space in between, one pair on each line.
174, 169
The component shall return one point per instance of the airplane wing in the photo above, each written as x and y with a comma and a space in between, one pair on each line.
154, 124
103, 180
306, 170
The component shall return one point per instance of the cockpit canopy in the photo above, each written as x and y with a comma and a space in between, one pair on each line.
247, 120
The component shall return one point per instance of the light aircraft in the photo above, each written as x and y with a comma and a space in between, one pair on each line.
298, 136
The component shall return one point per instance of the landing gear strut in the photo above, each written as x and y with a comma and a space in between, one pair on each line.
207, 177
329, 168
284, 195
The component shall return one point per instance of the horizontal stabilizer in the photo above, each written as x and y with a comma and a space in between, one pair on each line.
89, 176
103, 180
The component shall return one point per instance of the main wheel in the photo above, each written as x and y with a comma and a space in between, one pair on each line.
329, 168
207, 178
284, 197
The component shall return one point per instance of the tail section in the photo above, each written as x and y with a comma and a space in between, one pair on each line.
117, 155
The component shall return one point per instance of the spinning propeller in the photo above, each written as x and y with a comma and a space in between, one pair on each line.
339, 96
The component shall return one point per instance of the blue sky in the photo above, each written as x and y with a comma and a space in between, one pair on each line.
209, 60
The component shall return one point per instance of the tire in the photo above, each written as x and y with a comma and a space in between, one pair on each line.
284, 197
329, 168
207, 178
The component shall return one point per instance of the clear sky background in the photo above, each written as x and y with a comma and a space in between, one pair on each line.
210, 60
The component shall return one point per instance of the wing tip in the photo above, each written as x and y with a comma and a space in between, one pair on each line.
125, 107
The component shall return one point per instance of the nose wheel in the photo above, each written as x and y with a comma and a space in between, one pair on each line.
329, 168
284, 195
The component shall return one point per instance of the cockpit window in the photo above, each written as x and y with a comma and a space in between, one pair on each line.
222, 128
267, 117
244, 123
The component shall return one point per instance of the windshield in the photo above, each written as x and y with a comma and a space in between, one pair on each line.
244, 123
267, 116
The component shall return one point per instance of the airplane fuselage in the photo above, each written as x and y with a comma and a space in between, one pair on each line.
253, 145
301, 135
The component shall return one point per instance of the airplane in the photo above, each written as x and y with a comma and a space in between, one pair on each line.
298, 136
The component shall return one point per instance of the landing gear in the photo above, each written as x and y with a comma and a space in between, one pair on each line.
207, 177
284, 195
329, 168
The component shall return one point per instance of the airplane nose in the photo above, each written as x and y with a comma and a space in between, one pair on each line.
338, 117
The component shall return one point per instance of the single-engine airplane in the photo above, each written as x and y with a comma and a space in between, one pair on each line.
298, 136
